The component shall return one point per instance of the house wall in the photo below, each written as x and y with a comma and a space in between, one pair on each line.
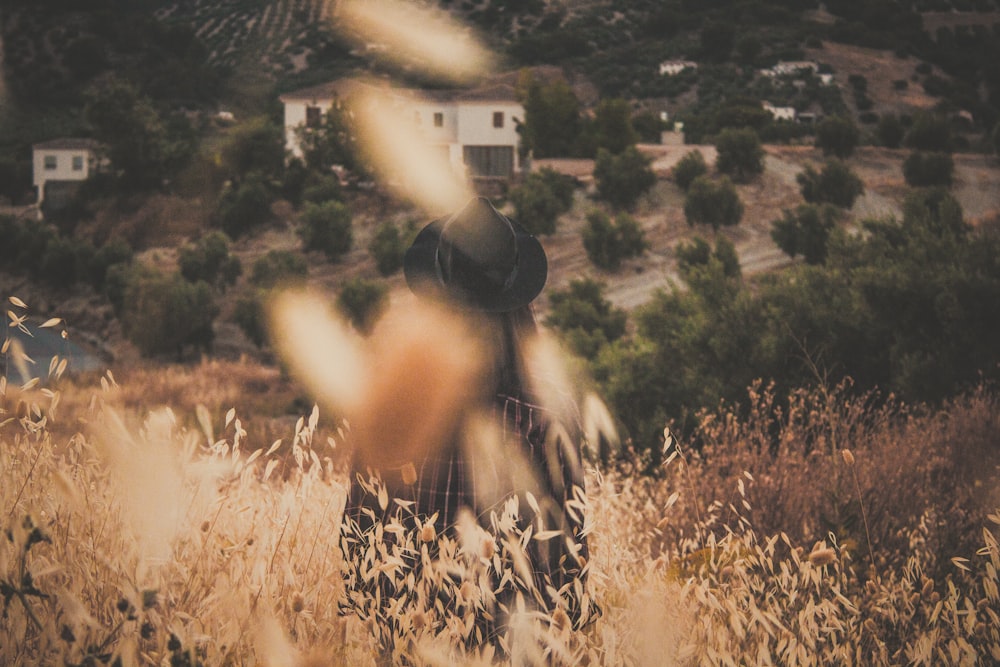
295, 116
464, 124
64, 167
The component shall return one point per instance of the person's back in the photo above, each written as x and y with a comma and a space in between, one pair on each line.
447, 537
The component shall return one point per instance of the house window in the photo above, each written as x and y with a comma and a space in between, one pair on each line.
314, 116
438, 119
498, 119
77, 163
51, 162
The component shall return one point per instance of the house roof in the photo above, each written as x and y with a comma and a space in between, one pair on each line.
493, 92
67, 143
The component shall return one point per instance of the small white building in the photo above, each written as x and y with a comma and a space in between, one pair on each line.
789, 67
476, 127
780, 113
675, 67
59, 163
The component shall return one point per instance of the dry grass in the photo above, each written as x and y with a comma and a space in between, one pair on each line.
171, 537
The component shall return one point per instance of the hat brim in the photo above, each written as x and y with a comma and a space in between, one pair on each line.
420, 269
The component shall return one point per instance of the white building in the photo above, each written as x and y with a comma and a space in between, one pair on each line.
476, 128
675, 67
780, 113
788, 67
62, 163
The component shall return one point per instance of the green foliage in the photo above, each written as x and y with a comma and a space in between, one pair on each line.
362, 302
37, 250
250, 317
256, 147
929, 132
622, 179
740, 154
15, 179
209, 261
890, 131
714, 203
805, 231
717, 39
115, 252
552, 122
697, 253
164, 314
837, 136
584, 318
649, 127
142, 148
607, 243
539, 201
907, 307
688, 168
388, 246
326, 227
333, 143
323, 189
836, 184
612, 128
242, 207
922, 169
279, 268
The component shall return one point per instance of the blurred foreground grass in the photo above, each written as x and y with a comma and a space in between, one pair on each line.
172, 536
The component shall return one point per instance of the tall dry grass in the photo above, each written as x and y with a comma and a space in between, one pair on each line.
836, 529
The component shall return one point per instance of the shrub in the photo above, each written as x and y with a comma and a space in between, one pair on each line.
929, 132
243, 207
387, 247
279, 268
805, 231
740, 154
536, 205
209, 261
164, 314
323, 189
607, 243
362, 302
890, 131
928, 169
837, 135
326, 227
584, 318
622, 179
688, 168
698, 253
116, 251
250, 317
836, 184
712, 203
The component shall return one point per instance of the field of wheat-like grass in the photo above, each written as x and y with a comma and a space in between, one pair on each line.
821, 528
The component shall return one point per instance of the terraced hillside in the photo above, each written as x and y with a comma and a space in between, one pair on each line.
277, 35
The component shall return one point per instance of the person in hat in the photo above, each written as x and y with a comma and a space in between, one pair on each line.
474, 510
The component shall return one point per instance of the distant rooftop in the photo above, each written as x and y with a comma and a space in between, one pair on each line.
343, 88
67, 143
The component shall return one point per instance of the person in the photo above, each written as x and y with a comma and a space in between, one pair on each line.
521, 508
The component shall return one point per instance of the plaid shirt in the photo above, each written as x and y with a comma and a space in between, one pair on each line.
447, 481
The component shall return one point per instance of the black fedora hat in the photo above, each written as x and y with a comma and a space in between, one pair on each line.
477, 257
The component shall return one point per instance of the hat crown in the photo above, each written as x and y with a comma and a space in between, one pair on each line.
478, 258
477, 249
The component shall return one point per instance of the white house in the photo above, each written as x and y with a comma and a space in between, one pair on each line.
675, 67
62, 163
788, 67
476, 128
780, 113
